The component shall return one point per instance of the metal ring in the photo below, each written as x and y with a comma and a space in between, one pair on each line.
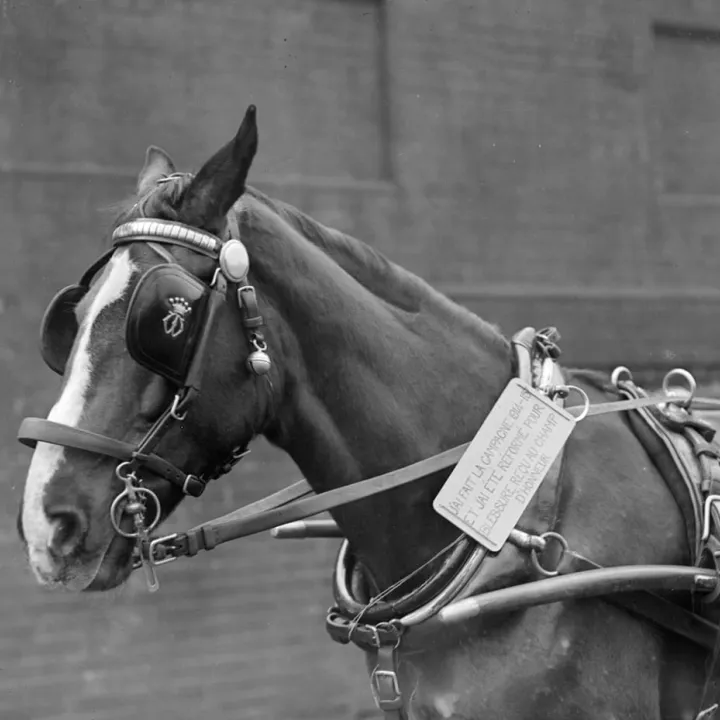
534, 555
710, 500
116, 517
259, 345
391, 626
173, 410
689, 379
618, 373
586, 401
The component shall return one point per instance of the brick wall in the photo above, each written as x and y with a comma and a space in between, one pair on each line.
499, 149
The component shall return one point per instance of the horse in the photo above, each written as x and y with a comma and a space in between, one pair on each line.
354, 367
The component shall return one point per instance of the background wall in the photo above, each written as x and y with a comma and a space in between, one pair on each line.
543, 163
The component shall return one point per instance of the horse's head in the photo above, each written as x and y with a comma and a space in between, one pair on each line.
165, 375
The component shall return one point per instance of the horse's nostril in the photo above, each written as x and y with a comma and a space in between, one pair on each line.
68, 531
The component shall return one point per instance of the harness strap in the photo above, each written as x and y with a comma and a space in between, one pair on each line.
34, 430
236, 525
240, 523
217, 298
385, 684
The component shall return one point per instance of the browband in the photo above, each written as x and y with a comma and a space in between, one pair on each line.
166, 231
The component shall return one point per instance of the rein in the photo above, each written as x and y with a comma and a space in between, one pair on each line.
292, 504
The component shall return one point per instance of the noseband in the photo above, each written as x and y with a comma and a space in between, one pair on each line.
170, 319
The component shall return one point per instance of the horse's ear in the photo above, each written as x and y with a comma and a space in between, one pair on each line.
157, 165
221, 180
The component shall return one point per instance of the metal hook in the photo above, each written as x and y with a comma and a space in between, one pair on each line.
619, 373
173, 410
691, 386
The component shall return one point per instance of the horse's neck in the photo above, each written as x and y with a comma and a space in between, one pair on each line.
368, 388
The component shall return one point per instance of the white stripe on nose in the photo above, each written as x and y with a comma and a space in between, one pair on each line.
47, 459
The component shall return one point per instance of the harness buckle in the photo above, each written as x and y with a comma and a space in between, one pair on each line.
174, 410
157, 552
710, 501
193, 486
384, 681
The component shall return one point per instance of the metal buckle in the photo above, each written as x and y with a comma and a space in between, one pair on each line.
177, 400
187, 480
385, 703
152, 547
710, 500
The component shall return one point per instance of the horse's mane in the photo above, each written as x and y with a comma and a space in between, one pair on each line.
387, 281
384, 279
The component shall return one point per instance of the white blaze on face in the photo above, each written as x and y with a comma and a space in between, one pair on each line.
69, 409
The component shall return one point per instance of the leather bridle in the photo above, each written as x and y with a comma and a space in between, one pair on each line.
137, 501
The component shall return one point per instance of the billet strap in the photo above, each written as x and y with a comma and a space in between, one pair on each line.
34, 430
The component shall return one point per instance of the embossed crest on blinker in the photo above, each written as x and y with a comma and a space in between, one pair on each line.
174, 321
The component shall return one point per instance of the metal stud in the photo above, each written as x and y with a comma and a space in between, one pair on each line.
234, 260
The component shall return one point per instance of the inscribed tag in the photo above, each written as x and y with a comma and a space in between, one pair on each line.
496, 478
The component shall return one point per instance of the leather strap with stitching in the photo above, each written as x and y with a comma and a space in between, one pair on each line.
238, 524
34, 430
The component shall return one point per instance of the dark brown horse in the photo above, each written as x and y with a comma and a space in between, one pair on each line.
371, 370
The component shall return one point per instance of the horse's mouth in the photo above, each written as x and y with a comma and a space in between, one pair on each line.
103, 569
115, 566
